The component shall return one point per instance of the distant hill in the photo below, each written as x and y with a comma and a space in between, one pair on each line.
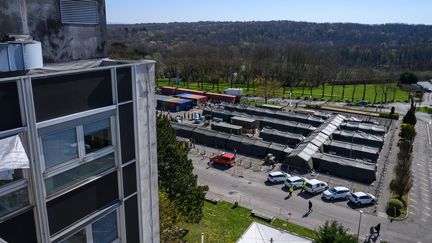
405, 46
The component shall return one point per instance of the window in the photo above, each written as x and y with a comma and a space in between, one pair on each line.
105, 229
79, 237
129, 179
9, 104
58, 96
70, 177
20, 228
97, 135
127, 135
60, 147
13, 201
79, 12
82, 202
124, 84
9, 176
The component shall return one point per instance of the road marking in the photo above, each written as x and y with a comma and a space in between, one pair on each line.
428, 208
413, 207
428, 133
427, 214
413, 200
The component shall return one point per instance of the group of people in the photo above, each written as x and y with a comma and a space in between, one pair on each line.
291, 188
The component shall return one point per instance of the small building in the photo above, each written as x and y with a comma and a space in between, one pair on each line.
174, 104
234, 91
257, 232
189, 91
246, 123
228, 128
196, 99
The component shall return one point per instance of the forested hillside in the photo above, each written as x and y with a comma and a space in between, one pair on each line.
407, 46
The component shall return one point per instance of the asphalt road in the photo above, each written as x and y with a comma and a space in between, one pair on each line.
247, 187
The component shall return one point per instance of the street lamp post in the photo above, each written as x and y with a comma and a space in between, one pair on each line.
358, 230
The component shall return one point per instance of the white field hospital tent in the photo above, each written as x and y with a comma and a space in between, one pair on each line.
12, 154
260, 233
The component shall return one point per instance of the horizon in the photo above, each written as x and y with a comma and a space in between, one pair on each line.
366, 12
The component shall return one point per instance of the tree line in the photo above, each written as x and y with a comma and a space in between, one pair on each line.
383, 47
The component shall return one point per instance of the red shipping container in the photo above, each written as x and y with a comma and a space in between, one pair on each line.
190, 91
168, 90
221, 97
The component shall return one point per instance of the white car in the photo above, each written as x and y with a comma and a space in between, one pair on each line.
315, 186
277, 177
337, 192
362, 198
294, 181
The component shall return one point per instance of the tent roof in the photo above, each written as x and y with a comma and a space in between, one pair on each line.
226, 125
239, 118
345, 161
260, 233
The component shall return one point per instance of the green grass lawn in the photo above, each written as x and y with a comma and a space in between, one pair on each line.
221, 223
399, 95
426, 109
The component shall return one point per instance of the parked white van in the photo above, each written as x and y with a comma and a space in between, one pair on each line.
315, 186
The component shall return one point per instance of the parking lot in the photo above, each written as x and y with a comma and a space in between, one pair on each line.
253, 170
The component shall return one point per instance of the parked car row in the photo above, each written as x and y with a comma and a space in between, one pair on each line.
315, 186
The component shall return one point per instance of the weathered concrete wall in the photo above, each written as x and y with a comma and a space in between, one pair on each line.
60, 42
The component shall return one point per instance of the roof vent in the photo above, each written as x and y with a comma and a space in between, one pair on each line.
20, 53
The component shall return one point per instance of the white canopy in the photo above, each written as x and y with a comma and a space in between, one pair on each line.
260, 233
12, 154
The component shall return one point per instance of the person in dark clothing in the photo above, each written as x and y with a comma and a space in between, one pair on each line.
371, 231
377, 229
310, 207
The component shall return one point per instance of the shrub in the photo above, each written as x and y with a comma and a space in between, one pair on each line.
394, 206
394, 116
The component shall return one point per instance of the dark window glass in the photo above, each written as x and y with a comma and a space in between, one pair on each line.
20, 228
8, 176
13, 201
97, 135
71, 93
79, 173
105, 229
9, 107
131, 217
129, 179
60, 147
79, 203
127, 136
78, 237
124, 84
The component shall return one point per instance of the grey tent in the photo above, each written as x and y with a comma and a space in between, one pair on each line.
226, 127
260, 149
345, 168
247, 123
220, 139
290, 139
183, 130
359, 138
364, 127
219, 113
301, 157
295, 117
351, 150
204, 136
277, 150
234, 142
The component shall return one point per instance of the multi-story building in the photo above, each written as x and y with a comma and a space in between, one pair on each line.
78, 159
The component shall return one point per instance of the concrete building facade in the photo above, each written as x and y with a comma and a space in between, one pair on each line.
88, 129
68, 29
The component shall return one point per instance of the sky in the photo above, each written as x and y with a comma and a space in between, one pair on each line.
354, 11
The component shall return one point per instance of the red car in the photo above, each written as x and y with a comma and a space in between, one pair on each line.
223, 159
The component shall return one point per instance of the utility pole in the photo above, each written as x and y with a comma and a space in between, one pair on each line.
358, 230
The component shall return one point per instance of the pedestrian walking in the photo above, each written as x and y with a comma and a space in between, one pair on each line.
371, 231
377, 229
303, 186
310, 206
291, 189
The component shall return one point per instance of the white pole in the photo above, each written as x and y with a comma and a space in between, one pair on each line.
358, 231
202, 237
